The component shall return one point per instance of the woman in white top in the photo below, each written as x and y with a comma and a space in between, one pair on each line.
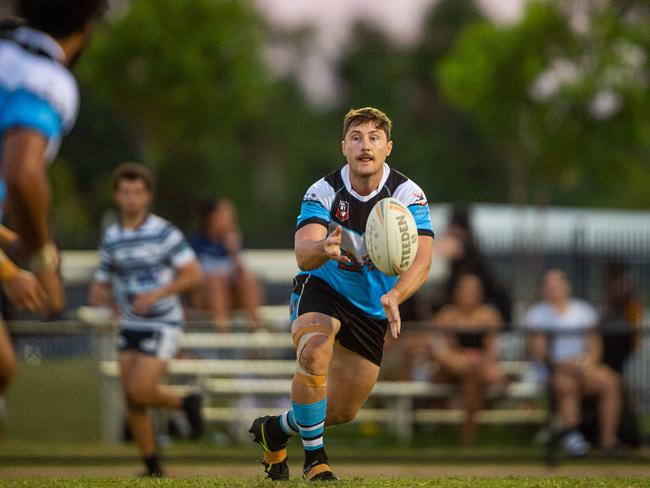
564, 336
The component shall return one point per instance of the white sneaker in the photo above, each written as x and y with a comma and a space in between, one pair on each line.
575, 444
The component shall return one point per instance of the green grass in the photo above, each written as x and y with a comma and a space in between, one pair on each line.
55, 401
514, 482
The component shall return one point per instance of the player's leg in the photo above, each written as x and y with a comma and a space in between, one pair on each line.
144, 386
139, 421
313, 335
7, 358
350, 380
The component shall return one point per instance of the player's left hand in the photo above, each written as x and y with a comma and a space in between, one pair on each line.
390, 303
143, 302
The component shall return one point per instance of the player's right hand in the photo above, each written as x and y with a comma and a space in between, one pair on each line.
332, 246
24, 291
99, 295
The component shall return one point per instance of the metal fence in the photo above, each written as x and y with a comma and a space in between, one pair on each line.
67, 384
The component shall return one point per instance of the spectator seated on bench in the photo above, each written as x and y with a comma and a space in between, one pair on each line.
466, 349
228, 284
563, 335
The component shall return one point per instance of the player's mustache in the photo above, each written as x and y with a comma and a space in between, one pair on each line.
365, 156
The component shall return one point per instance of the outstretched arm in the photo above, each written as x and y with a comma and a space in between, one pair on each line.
314, 247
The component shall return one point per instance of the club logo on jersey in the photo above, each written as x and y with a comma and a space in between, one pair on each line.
343, 212
420, 199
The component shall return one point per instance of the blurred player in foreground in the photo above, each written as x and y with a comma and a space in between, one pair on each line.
341, 304
39, 101
146, 263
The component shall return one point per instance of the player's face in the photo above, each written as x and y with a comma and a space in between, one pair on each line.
132, 197
366, 148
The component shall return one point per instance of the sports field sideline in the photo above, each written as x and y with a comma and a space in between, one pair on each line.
387, 482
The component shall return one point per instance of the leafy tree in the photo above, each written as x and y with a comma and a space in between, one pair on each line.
186, 78
565, 104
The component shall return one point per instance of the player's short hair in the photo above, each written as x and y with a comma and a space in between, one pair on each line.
59, 18
133, 171
358, 116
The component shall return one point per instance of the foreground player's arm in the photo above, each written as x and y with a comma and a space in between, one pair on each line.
8, 239
408, 283
187, 277
21, 287
28, 188
314, 247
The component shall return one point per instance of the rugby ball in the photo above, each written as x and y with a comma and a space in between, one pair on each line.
391, 236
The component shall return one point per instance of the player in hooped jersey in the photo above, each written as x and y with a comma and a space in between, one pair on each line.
341, 304
39, 100
145, 263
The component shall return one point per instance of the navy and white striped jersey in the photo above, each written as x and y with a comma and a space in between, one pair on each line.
138, 260
331, 202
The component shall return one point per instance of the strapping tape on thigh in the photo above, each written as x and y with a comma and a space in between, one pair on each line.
305, 378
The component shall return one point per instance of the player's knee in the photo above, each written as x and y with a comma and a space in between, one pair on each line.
137, 396
341, 416
316, 354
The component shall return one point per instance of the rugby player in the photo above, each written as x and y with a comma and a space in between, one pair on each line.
341, 304
145, 263
39, 100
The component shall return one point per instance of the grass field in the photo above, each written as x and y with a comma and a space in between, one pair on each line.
346, 483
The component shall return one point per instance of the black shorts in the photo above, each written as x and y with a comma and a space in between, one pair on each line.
359, 332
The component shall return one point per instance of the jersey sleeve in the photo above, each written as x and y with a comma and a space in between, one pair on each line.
414, 198
25, 109
316, 203
177, 249
103, 272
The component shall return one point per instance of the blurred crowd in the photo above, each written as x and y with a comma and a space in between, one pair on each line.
578, 353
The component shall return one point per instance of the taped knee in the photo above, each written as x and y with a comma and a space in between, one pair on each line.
305, 378
306, 333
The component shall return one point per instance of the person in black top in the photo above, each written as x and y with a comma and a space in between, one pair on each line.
469, 353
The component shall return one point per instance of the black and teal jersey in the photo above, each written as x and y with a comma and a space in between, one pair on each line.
331, 202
